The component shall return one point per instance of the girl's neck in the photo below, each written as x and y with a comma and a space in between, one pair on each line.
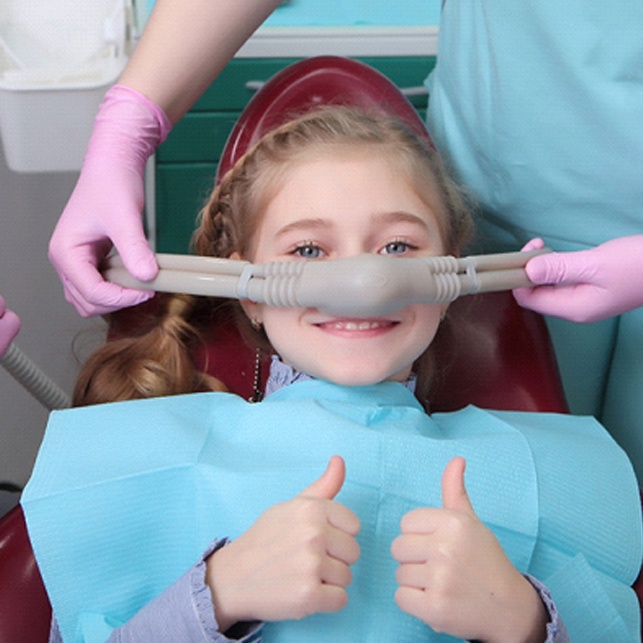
282, 374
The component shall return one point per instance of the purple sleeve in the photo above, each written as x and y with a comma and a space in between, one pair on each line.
556, 632
183, 612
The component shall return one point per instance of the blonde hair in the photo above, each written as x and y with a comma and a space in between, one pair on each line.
160, 360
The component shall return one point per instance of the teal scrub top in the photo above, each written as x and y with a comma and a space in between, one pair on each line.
538, 105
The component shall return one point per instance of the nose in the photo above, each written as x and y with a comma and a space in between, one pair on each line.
352, 247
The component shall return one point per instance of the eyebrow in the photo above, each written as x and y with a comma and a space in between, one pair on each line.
384, 218
304, 224
402, 217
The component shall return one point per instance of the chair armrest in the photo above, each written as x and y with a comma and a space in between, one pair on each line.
24, 606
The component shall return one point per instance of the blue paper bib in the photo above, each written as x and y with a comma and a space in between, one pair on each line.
125, 497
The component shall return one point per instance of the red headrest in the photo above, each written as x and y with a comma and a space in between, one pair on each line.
310, 83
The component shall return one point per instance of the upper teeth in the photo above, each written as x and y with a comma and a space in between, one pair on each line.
363, 325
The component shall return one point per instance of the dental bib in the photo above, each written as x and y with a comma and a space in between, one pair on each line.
125, 497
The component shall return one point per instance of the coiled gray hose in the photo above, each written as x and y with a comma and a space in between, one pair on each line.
25, 371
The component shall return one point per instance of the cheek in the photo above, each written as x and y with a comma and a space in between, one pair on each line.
282, 328
428, 318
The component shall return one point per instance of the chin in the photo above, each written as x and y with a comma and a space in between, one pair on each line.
359, 379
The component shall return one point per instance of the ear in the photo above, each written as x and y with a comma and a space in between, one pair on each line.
250, 308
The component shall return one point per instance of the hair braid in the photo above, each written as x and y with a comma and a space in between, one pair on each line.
155, 362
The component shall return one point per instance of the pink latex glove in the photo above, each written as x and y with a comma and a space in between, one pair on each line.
587, 285
9, 327
105, 206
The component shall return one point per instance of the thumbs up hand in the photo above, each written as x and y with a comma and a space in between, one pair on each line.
454, 575
293, 561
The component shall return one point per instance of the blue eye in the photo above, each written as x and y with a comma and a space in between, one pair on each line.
308, 251
396, 248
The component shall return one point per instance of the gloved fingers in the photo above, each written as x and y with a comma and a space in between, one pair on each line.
138, 258
537, 299
576, 303
84, 286
104, 209
91, 295
562, 267
9, 327
586, 285
534, 244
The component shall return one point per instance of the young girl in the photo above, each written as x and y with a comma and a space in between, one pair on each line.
387, 544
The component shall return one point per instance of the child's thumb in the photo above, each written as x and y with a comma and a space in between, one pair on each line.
454, 492
328, 485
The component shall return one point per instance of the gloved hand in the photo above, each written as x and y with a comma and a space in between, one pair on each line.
105, 206
9, 327
587, 285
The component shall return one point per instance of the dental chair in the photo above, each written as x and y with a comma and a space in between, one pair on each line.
497, 355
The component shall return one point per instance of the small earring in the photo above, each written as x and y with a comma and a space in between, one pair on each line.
256, 324
257, 394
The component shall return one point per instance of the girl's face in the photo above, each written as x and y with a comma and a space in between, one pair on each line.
333, 207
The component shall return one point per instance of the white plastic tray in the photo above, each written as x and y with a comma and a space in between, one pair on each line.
57, 59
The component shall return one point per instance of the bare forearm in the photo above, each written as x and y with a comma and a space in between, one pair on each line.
185, 45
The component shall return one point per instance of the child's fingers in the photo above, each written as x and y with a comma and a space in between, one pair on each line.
336, 573
341, 517
331, 599
411, 575
413, 602
410, 548
341, 545
425, 520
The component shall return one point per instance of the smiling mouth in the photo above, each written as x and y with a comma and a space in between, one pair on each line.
358, 325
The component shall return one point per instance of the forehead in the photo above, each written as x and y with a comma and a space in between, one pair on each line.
335, 179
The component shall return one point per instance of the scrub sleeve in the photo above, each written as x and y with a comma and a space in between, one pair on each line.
537, 105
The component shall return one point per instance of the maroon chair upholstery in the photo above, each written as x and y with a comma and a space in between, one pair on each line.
494, 355
25, 613
305, 85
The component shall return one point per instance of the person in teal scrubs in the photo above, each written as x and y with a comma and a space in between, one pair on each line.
538, 107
